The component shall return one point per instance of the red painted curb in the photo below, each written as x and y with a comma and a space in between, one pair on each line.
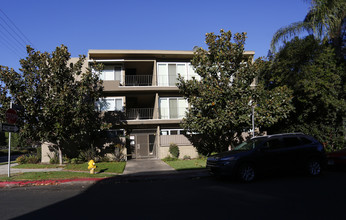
45, 182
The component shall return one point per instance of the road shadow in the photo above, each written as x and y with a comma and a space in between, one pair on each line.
179, 195
103, 170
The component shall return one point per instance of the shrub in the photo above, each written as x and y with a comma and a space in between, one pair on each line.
74, 160
54, 159
202, 157
169, 158
87, 154
174, 150
28, 159
118, 153
21, 159
33, 159
186, 157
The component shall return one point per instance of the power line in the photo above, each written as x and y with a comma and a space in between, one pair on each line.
11, 47
21, 45
16, 27
13, 31
12, 37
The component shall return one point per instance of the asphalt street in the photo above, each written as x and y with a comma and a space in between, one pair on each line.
169, 196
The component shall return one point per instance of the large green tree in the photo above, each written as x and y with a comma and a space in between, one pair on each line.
325, 20
58, 99
220, 102
317, 77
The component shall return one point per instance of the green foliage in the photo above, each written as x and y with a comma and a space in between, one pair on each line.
4, 104
54, 159
87, 154
28, 159
174, 150
118, 153
220, 101
2, 139
75, 161
186, 157
316, 76
169, 158
58, 99
325, 20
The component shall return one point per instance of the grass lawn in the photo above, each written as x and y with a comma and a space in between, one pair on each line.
51, 176
107, 167
37, 166
187, 164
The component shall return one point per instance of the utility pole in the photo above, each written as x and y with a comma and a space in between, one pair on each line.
9, 149
253, 121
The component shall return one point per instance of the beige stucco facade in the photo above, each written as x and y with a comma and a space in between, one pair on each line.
144, 82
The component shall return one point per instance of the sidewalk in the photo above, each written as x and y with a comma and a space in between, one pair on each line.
4, 169
145, 166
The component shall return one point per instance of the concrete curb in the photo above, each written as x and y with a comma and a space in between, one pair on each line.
10, 184
135, 177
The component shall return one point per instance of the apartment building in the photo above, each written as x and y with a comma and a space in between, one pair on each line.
141, 84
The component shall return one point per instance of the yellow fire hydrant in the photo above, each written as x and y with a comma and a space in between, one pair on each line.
92, 166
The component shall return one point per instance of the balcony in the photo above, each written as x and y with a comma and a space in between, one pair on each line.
152, 113
148, 80
139, 80
140, 113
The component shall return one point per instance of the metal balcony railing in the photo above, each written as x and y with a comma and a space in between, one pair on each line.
139, 113
139, 80
148, 113
147, 80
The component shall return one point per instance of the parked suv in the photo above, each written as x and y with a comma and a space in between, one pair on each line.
279, 152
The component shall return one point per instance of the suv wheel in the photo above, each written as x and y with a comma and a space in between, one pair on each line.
246, 172
314, 167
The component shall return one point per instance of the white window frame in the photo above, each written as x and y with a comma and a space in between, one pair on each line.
169, 131
111, 98
189, 72
110, 69
165, 112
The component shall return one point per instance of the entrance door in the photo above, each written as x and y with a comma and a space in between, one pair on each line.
145, 145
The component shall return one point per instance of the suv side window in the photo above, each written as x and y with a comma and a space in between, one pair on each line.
291, 141
305, 140
274, 144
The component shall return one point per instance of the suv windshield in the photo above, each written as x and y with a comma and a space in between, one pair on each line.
247, 145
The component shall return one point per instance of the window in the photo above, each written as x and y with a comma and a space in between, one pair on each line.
111, 73
167, 73
291, 141
305, 141
110, 104
172, 131
172, 108
115, 133
274, 144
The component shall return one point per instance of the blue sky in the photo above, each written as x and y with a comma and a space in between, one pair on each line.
137, 24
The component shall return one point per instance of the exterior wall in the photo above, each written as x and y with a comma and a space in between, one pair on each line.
46, 153
166, 140
84, 67
184, 150
145, 63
